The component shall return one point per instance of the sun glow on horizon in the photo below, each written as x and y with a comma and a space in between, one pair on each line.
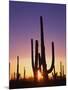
28, 67
40, 76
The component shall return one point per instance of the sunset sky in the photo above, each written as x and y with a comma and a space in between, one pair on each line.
24, 24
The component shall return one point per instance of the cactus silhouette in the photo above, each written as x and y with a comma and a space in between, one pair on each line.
40, 59
34, 65
9, 70
54, 74
14, 75
60, 69
18, 75
24, 72
63, 70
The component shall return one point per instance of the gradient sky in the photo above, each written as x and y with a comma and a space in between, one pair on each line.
24, 24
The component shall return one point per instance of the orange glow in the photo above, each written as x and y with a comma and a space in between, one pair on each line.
40, 75
26, 62
22, 64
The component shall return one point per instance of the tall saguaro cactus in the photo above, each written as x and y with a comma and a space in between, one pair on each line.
40, 59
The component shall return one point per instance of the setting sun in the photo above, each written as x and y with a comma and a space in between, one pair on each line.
40, 75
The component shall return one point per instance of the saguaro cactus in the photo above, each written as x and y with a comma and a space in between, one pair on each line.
40, 59
24, 72
9, 70
60, 69
18, 68
14, 75
63, 70
34, 64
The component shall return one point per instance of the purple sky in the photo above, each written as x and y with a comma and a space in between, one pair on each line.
24, 24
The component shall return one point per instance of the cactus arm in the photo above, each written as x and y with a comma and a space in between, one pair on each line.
39, 61
36, 54
52, 65
32, 55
